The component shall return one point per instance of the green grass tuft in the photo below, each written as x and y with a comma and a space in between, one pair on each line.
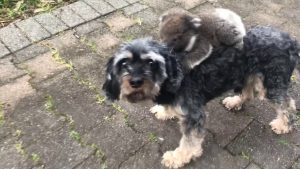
75, 135
152, 137
35, 158
49, 104
1, 114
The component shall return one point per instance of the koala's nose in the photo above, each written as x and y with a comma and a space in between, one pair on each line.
136, 82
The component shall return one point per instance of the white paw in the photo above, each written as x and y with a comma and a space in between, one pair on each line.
279, 126
234, 102
171, 160
160, 112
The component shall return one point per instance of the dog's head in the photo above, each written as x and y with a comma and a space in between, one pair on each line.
178, 29
139, 70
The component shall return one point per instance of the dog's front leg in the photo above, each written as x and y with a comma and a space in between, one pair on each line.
163, 112
190, 145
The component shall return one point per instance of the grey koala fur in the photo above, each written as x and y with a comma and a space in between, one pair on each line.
198, 34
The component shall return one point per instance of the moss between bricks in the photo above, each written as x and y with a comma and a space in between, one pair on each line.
1, 114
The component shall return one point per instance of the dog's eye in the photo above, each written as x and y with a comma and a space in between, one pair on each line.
150, 62
124, 64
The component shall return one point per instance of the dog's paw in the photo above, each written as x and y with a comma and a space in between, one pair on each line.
172, 159
279, 126
160, 112
234, 102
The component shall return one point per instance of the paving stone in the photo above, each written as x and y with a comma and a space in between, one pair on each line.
132, 1
148, 18
117, 3
253, 166
134, 8
59, 150
90, 27
30, 52
292, 29
10, 157
148, 157
261, 18
8, 71
126, 141
296, 165
91, 163
110, 41
215, 157
118, 22
223, 124
84, 10
83, 109
34, 31
13, 92
68, 16
188, 4
264, 148
160, 6
4, 50
51, 23
100, 6
33, 120
43, 67
13, 38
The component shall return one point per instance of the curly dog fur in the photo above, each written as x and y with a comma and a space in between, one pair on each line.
150, 71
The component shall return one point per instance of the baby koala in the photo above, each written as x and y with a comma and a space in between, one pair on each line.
197, 35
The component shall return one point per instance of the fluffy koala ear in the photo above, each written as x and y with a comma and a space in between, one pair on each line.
195, 21
111, 85
162, 17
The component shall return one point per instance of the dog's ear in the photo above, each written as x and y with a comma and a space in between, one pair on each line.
174, 73
111, 85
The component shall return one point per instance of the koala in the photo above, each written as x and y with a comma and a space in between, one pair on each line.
197, 35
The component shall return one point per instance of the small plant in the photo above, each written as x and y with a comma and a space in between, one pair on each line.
245, 155
18, 133
75, 135
35, 158
91, 44
20, 148
100, 99
152, 137
138, 20
49, 104
283, 142
1, 114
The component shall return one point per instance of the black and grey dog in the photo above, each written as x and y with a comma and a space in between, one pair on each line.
145, 69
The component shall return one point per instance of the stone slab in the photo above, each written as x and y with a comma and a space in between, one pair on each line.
100, 6
4, 50
118, 22
253, 166
8, 71
296, 165
51, 23
34, 31
12, 93
149, 18
259, 144
43, 67
117, 4
85, 11
13, 38
30, 52
69, 17
223, 124
134, 8
189, 4
90, 27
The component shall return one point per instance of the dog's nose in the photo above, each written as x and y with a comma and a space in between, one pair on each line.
136, 82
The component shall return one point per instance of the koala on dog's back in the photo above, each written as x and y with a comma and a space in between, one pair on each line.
198, 34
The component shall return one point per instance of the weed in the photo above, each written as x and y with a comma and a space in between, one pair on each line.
18, 133
35, 158
20, 148
245, 155
91, 44
152, 137
1, 114
49, 104
100, 99
283, 142
138, 20
75, 135
57, 57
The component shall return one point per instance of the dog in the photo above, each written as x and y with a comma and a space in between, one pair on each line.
145, 69
199, 34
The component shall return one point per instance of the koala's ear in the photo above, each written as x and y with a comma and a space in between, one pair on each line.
162, 18
195, 22
111, 85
